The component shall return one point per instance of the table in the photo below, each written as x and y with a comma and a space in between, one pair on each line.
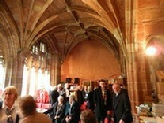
145, 119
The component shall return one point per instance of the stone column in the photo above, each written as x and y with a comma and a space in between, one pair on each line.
139, 85
55, 70
8, 71
137, 74
14, 71
18, 71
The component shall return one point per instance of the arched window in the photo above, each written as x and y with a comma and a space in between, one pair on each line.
36, 73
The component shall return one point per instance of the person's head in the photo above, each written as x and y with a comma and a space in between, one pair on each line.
85, 88
27, 105
66, 86
55, 88
59, 87
10, 95
116, 88
71, 98
87, 116
102, 84
60, 99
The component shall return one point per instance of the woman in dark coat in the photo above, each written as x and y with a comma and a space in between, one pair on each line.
57, 112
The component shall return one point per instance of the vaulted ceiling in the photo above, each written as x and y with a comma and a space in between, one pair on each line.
61, 24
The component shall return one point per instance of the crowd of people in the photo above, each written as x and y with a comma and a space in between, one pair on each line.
102, 105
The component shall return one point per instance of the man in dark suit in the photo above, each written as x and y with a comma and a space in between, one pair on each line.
102, 101
79, 95
121, 105
53, 95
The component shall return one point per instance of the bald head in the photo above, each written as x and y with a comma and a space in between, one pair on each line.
116, 88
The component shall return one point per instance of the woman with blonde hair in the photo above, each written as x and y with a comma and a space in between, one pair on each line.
8, 113
28, 111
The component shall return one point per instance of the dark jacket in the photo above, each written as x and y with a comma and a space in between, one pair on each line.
90, 103
100, 108
79, 96
74, 112
53, 112
1, 102
53, 96
122, 108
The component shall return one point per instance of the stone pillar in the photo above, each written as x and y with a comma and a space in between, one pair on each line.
8, 71
19, 72
137, 74
58, 70
52, 70
55, 70
14, 71
139, 85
